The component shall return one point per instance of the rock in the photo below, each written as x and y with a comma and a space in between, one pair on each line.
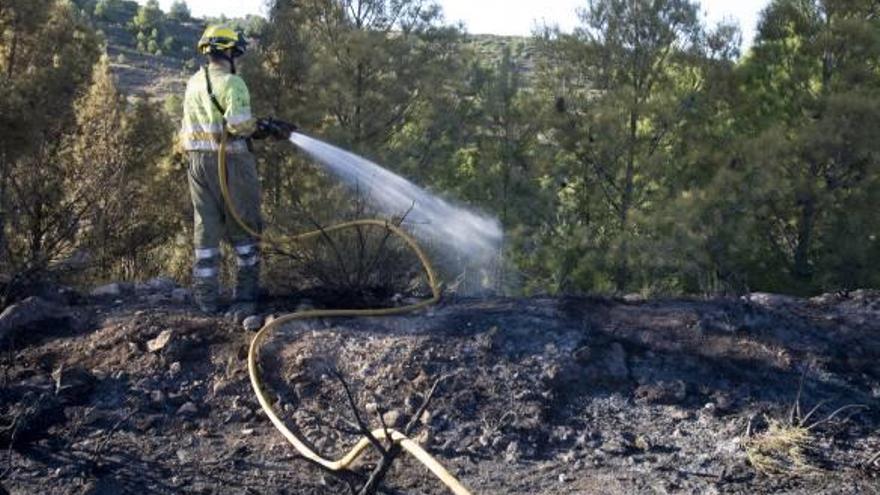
31, 312
180, 295
619, 444
392, 418
634, 298
424, 438
768, 299
485, 440
512, 453
109, 290
724, 402
253, 323
159, 342
220, 385
157, 396
825, 299
673, 392
679, 414
161, 284
73, 385
562, 433
425, 418
188, 409
174, 368
710, 409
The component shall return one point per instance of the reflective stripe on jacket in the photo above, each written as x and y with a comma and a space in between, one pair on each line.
202, 125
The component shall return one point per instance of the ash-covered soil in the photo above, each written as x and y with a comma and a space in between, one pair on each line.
137, 393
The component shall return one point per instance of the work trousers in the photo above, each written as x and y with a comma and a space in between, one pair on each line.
213, 222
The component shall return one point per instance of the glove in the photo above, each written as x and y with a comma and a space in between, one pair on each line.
275, 128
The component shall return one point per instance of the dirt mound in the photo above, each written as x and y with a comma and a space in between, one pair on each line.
539, 396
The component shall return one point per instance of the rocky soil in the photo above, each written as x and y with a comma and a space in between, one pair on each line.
128, 390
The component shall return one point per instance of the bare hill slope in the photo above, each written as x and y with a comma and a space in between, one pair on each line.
135, 393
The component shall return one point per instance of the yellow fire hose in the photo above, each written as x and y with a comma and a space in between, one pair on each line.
254, 352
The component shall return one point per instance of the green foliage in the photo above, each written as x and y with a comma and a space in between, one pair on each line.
179, 11
77, 161
250, 25
807, 122
147, 23
49, 51
639, 153
115, 11
149, 17
625, 79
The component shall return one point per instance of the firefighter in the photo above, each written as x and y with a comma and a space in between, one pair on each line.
218, 100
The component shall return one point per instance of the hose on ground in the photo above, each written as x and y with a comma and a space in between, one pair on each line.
358, 449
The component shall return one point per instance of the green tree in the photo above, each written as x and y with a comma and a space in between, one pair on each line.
48, 53
813, 105
625, 73
374, 60
113, 157
179, 11
494, 165
149, 16
115, 11
356, 72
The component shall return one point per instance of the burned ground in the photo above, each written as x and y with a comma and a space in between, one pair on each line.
136, 393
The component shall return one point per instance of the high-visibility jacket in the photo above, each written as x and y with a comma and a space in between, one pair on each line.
202, 122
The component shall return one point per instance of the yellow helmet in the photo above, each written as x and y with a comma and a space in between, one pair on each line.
218, 38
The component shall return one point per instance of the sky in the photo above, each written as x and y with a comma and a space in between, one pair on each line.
511, 17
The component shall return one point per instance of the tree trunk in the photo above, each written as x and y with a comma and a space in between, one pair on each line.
358, 101
3, 248
622, 275
13, 50
801, 269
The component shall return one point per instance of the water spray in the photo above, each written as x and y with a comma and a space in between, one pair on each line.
472, 236
462, 229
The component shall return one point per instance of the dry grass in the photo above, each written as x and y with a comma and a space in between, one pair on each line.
783, 449
790, 447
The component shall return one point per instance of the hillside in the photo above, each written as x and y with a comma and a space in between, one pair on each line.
131, 392
141, 73
145, 74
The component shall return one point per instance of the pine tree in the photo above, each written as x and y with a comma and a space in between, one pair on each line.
48, 51
625, 72
179, 11
813, 103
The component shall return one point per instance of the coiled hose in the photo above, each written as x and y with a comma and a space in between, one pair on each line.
254, 351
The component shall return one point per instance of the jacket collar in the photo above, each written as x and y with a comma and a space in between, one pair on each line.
219, 67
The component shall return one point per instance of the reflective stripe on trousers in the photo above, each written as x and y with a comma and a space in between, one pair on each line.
247, 254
